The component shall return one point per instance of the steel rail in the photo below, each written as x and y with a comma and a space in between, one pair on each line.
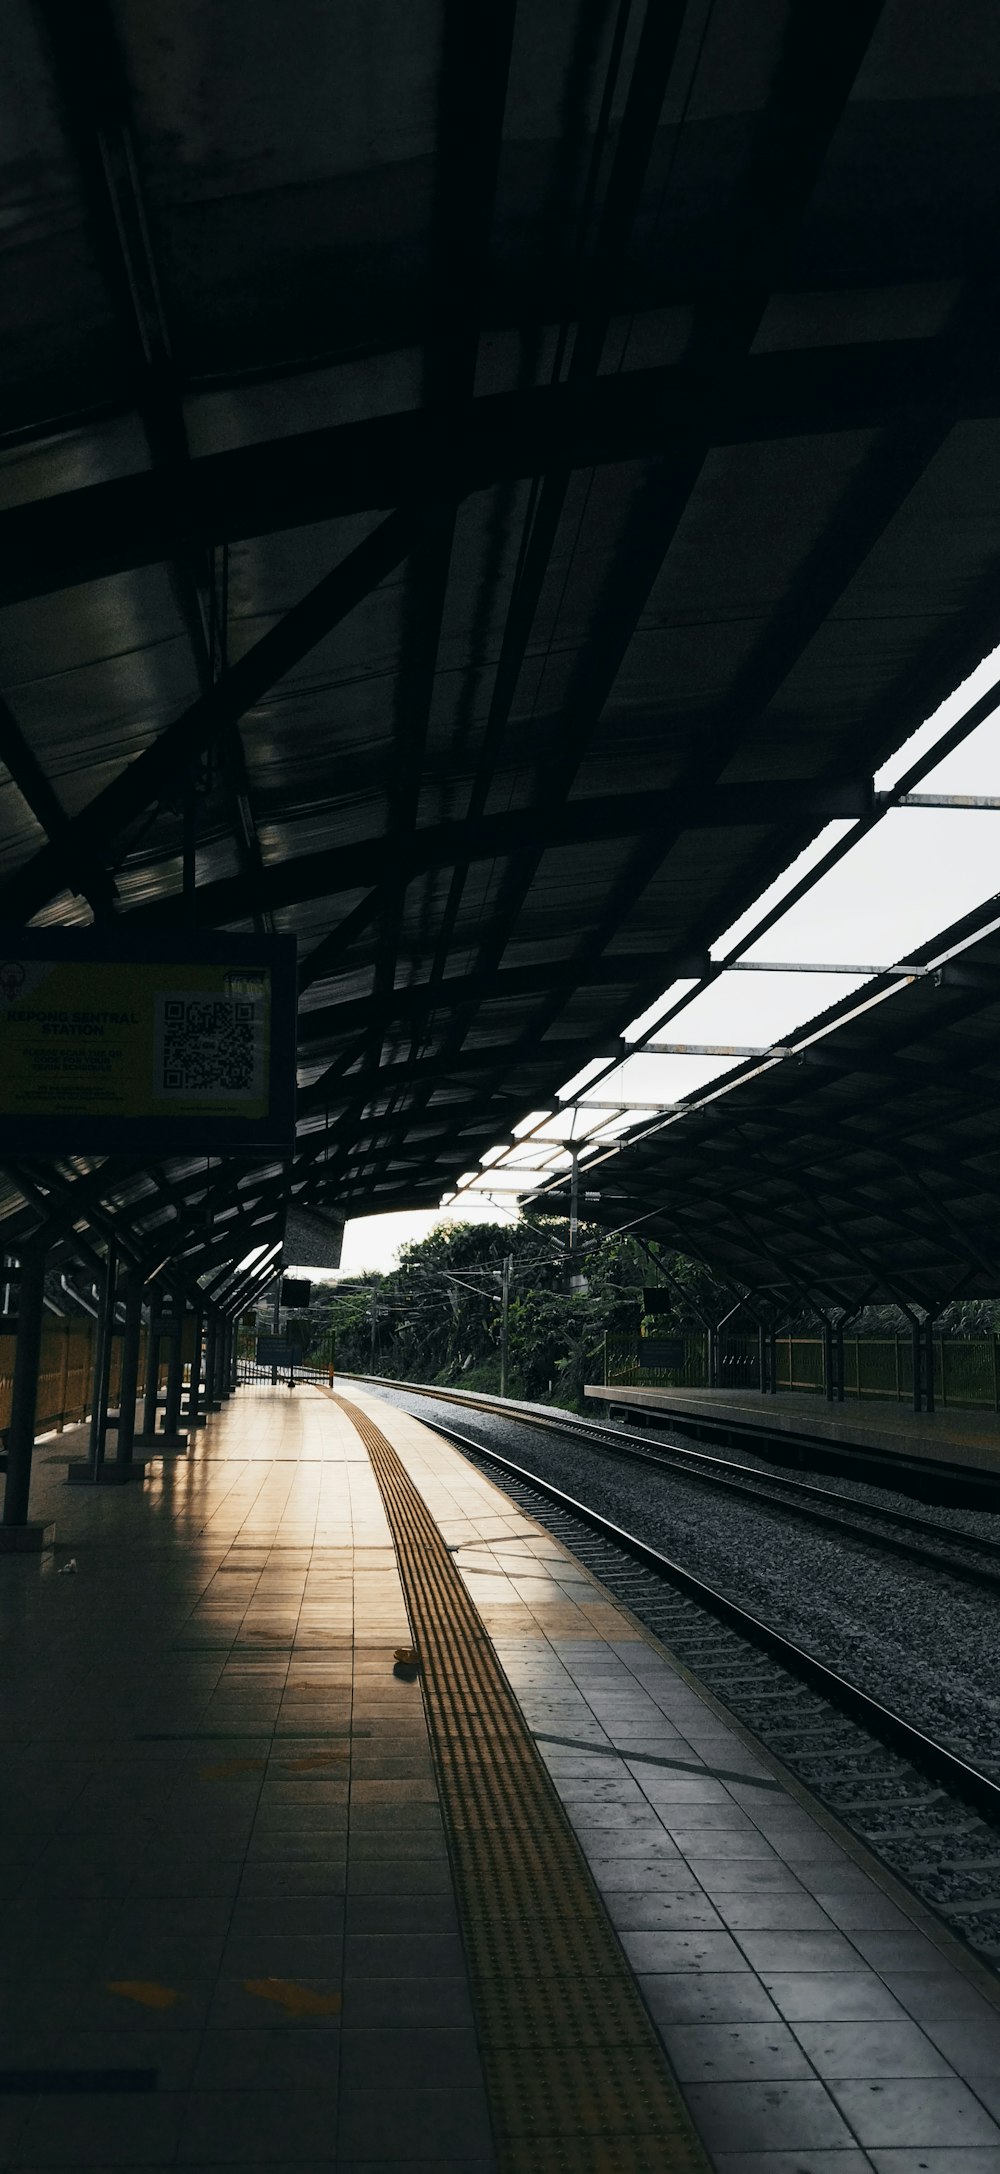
821, 1506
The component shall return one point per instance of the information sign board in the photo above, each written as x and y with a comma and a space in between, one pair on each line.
662, 1351
295, 1292
273, 1351
658, 1298
114, 1040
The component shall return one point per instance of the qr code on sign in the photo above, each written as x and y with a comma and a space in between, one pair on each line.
208, 1047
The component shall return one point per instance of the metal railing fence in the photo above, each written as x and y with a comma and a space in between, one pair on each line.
966, 1368
66, 1370
65, 1373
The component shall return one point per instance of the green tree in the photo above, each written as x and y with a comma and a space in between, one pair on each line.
437, 1316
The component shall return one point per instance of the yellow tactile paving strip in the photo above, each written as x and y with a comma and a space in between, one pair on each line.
577, 2077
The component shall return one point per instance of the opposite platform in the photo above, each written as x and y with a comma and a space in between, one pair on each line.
947, 1436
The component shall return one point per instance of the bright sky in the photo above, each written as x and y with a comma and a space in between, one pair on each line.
373, 1241
901, 884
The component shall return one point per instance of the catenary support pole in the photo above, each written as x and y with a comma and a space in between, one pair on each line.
24, 1397
508, 1269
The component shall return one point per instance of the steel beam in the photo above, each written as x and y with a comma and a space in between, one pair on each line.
297, 878
105, 529
105, 817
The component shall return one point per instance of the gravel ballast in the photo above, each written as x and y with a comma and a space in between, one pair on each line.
909, 1635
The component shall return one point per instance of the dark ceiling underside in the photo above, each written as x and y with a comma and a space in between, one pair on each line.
521, 467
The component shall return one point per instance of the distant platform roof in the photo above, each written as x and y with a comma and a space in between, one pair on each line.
861, 1163
481, 489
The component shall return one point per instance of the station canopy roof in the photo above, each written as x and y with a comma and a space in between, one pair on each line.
502, 480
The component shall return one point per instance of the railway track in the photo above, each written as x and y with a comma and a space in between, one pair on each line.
972, 1558
931, 1816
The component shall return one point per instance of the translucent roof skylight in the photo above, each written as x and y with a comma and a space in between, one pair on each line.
972, 767
971, 690
638, 1027
755, 1009
897, 883
917, 871
654, 1080
732, 937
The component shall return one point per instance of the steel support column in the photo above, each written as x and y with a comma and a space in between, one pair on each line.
147, 1439
171, 1438
130, 1366
224, 1387
102, 1364
211, 1360
194, 1415
21, 1431
929, 1362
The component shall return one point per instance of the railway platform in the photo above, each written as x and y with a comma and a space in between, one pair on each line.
348, 1823
948, 1436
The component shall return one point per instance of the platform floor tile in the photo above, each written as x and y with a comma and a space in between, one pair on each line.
229, 1935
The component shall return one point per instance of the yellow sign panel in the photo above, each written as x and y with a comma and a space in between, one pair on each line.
128, 1040
100, 1033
